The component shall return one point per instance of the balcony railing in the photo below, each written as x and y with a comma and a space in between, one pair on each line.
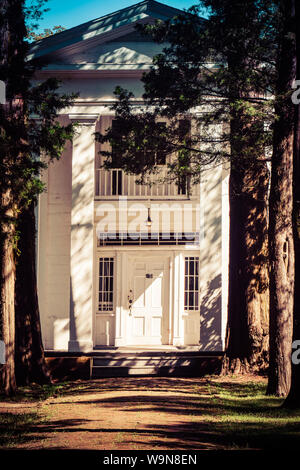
115, 182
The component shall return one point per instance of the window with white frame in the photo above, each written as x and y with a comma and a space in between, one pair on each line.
106, 284
191, 283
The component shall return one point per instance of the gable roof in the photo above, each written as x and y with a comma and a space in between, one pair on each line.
102, 29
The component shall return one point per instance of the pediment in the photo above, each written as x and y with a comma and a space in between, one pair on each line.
88, 38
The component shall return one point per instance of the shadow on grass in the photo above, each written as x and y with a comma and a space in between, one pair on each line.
16, 429
196, 414
71, 388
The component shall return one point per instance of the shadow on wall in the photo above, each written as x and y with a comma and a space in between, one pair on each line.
211, 316
58, 333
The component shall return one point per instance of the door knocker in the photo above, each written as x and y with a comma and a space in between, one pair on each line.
130, 301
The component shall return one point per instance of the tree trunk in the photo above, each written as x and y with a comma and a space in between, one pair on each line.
281, 246
30, 359
293, 398
7, 371
247, 326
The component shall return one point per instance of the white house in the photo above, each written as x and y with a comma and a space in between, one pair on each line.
105, 277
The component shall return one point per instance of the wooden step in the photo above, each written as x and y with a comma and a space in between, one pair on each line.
125, 362
158, 364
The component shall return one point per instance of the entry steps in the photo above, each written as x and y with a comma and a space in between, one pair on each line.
162, 363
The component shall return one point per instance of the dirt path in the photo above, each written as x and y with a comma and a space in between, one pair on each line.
119, 414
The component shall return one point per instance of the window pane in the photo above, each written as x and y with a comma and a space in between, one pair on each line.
191, 283
184, 128
186, 267
160, 157
191, 264
185, 300
105, 284
191, 300
196, 300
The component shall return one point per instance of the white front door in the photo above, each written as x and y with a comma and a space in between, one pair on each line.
147, 298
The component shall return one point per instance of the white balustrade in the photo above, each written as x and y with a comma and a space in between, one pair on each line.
115, 182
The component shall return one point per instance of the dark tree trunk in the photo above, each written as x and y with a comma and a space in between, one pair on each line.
12, 32
247, 332
7, 371
30, 359
293, 398
247, 327
281, 245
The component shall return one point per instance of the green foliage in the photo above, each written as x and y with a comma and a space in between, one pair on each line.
29, 127
224, 69
33, 12
33, 36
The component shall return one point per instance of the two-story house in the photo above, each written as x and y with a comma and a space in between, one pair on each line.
122, 264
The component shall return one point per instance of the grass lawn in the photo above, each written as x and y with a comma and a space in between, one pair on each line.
139, 413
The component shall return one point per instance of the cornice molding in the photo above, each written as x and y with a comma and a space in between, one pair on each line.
126, 73
84, 119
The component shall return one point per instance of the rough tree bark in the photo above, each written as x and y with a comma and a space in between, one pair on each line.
7, 371
7, 375
29, 354
247, 331
281, 245
293, 398
247, 326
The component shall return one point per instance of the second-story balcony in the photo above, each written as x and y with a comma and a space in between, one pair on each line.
115, 182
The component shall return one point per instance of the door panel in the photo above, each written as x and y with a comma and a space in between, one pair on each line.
139, 289
147, 284
138, 326
156, 293
156, 326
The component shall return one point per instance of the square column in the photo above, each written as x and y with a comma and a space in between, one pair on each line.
82, 236
178, 338
121, 299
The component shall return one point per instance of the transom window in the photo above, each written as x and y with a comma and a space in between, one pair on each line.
148, 238
191, 283
106, 284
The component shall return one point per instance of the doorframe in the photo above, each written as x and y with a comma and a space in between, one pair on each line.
175, 264
165, 322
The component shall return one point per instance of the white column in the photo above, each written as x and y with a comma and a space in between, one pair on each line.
117, 287
171, 298
82, 239
225, 249
177, 325
211, 262
42, 265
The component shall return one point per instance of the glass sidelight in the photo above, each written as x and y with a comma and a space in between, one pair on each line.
191, 283
106, 284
